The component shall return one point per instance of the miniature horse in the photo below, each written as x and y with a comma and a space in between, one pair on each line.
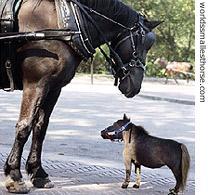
48, 65
140, 148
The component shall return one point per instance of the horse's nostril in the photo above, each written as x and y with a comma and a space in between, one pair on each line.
104, 134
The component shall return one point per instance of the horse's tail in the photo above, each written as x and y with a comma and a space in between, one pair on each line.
185, 165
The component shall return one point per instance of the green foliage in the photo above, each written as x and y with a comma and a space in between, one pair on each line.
100, 65
154, 71
175, 37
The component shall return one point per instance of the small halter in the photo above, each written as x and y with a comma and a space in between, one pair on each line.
124, 128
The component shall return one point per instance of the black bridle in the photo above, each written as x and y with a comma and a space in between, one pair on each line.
119, 70
135, 61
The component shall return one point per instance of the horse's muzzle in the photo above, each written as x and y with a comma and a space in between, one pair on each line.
130, 85
105, 135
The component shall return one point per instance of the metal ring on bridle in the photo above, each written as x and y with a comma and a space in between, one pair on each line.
135, 55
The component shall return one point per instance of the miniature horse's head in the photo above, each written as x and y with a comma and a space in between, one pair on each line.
132, 47
115, 131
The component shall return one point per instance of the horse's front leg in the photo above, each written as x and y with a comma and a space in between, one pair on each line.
39, 177
32, 97
128, 164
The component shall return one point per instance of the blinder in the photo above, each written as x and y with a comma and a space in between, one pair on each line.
149, 40
144, 40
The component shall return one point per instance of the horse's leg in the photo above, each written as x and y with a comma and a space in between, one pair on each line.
175, 77
34, 168
127, 162
138, 176
178, 176
166, 75
32, 97
187, 76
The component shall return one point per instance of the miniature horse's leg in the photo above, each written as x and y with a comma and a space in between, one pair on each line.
138, 176
32, 97
128, 165
178, 175
34, 168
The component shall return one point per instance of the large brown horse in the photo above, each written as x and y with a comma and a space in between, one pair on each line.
48, 65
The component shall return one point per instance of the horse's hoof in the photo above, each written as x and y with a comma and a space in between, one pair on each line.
42, 183
17, 187
124, 185
135, 186
172, 192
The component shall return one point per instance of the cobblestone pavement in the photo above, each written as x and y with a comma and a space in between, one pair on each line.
78, 178
75, 156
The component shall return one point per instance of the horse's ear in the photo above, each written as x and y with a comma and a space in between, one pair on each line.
126, 118
152, 24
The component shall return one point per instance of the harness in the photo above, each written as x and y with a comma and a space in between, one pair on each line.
119, 70
70, 17
7, 48
72, 20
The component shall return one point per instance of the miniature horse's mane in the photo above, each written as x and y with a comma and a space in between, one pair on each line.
139, 130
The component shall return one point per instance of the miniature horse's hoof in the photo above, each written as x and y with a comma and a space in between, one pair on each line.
172, 192
42, 183
135, 186
17, 187
124, 185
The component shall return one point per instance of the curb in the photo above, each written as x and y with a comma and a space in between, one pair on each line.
158, 98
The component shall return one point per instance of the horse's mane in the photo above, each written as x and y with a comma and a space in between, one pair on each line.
114, 9
139, 130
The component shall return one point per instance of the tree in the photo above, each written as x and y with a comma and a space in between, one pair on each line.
175, 37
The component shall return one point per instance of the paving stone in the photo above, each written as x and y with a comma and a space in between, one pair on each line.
98, 180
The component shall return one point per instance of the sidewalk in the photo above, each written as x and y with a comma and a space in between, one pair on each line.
75, 178
152, 88
171, 92
78, 160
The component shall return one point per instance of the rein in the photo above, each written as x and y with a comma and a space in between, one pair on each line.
118, 68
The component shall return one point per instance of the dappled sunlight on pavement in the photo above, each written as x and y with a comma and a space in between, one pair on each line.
78, 160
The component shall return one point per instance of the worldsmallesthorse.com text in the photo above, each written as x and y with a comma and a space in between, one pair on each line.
202, 51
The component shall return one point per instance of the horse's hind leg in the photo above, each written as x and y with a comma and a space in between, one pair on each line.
175, 77
34, 168
32, 97
178, 176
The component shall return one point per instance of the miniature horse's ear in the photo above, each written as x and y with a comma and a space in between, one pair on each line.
126, 118
152, 24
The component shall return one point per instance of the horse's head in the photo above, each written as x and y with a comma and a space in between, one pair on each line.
132, 47
115, 131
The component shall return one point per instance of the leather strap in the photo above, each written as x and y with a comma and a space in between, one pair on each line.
7, 47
